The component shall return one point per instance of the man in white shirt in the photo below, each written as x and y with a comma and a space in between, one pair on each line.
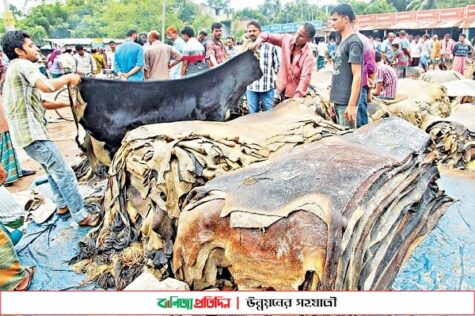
85, 64
178, 44
322, 50
66, 62
416, 51
110, 55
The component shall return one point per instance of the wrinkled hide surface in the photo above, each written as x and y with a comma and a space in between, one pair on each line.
158, 165
417, 102
342, 213
454, 136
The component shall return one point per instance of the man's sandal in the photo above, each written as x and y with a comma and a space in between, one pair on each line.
62, 210
26, 282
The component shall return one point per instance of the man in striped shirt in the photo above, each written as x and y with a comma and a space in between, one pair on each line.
386, 80
262, 90
193, 54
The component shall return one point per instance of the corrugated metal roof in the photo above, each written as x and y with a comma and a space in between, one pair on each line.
81, 41
467, 24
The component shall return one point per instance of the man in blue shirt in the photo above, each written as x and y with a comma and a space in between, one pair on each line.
128, 59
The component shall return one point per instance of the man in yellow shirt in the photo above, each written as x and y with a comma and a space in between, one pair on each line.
99, 59
436, 52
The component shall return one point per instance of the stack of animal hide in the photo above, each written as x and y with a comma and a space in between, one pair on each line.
418, 102
454, 136
339, 214
158, 165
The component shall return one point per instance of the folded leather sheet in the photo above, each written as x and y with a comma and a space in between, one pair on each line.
454, 136
417, 101
339, 214
426, 104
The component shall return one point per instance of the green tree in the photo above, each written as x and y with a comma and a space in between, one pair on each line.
373, 7
421, 5
400, 5
249, 14
201, 22
379, 6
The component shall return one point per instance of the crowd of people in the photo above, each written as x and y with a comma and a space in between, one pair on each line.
401, 51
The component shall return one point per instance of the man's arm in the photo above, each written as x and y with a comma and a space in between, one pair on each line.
211, 55
378, 89
53, 105
350, 112
275, 60
176, 56
146, 66
133, 71
305, 76
117, 69
93, 64
184, 67
139, 64
52, 85
274, 39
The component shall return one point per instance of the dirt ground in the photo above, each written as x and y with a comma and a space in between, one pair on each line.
63, 133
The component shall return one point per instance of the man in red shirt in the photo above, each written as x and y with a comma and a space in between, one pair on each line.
297, 60
215, 49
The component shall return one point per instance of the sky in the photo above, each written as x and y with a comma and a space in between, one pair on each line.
240, 4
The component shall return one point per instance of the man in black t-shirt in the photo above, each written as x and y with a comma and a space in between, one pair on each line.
347, 68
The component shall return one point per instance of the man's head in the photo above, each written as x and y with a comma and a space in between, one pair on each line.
447, 37
132, 35
202, 35
425, 37
217, 30
112, 45
341, 17
187, 33
142, 38
253, 30
93, 50
377, 57
230, 42
435, 37
80, 50
68, 51
305, 34
395, 46
462, 38
17, 44
391, 37
402, 34
153, 36
172, 33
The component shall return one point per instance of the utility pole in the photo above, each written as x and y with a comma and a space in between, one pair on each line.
164, 5
8, 19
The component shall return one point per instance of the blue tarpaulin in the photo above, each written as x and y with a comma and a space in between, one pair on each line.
444, 261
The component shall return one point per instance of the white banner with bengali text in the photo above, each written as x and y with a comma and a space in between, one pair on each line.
238, 303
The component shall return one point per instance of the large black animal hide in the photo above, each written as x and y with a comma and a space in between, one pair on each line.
115, 107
